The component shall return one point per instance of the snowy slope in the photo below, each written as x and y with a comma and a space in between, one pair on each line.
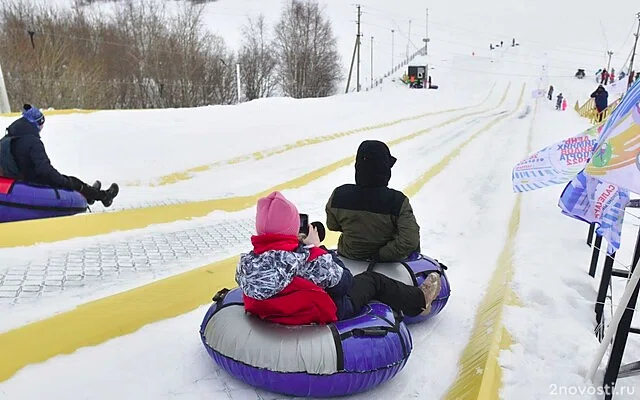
484, 195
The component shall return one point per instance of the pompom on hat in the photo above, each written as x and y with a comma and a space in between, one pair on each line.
33, 114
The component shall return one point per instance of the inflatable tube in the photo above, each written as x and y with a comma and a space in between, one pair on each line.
332, 360
20, 201
412, 271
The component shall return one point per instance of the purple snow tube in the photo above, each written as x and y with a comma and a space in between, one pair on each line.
332, 360
21, 201
421, 266
411, 271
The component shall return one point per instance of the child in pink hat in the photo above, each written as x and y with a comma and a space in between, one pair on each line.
295, 282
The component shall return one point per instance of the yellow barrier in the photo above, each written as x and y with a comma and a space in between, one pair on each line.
595, 117
480, 374
98, 321
26, 233
586, 108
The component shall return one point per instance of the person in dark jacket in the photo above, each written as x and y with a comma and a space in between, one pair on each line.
24, 157
295, 281
550, 93
601, 98
377, 223
559, 101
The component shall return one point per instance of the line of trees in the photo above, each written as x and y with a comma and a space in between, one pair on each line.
142, 56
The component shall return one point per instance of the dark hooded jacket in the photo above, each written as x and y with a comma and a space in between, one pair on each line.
30, 157
601, 98
377, 223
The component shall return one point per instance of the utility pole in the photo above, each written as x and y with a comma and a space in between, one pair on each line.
408, 41
633, 53
610, 53
358, 46
4, 98
238, 81
371, 62
392, 49
426, 36
356, 50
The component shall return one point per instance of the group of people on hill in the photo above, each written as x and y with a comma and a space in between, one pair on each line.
23, 157
605, 77
291, 278
561, 102
492, 47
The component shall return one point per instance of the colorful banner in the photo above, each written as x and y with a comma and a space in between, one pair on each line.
616, 158
555, 164
590, 200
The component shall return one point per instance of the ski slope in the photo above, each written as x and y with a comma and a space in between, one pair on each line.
455, 148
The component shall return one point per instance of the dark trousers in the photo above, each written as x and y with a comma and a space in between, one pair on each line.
89, 192
369, 286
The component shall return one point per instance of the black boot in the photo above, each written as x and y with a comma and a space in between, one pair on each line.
97, 185
110, 194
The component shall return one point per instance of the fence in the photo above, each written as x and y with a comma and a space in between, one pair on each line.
615, 369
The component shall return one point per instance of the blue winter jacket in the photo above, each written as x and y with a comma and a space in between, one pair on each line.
601, 98
31, 158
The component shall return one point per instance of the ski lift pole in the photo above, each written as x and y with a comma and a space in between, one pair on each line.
4, 97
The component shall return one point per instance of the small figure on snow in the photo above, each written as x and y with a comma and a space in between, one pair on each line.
559, 101
604, 79
23, 157
564, 104
550, 94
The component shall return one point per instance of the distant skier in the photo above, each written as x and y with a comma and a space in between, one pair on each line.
564, 104
559, 101
550, 94
604, 79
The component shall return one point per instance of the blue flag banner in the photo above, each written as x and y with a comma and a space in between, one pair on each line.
590, 200
555, 164
616, 158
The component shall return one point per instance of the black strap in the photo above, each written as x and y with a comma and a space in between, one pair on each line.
375, 331
220, 295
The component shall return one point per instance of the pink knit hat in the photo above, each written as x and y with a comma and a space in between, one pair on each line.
277, 215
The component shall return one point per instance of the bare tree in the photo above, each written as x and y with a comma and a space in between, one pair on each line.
258, 59
308, 59
140, 57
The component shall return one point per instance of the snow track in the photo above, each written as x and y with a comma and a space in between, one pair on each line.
199, 377
86, 269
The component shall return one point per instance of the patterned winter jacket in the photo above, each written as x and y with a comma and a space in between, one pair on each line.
272, 272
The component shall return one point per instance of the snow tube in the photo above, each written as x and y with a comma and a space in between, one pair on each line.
412, 271
332, 360
21, 201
